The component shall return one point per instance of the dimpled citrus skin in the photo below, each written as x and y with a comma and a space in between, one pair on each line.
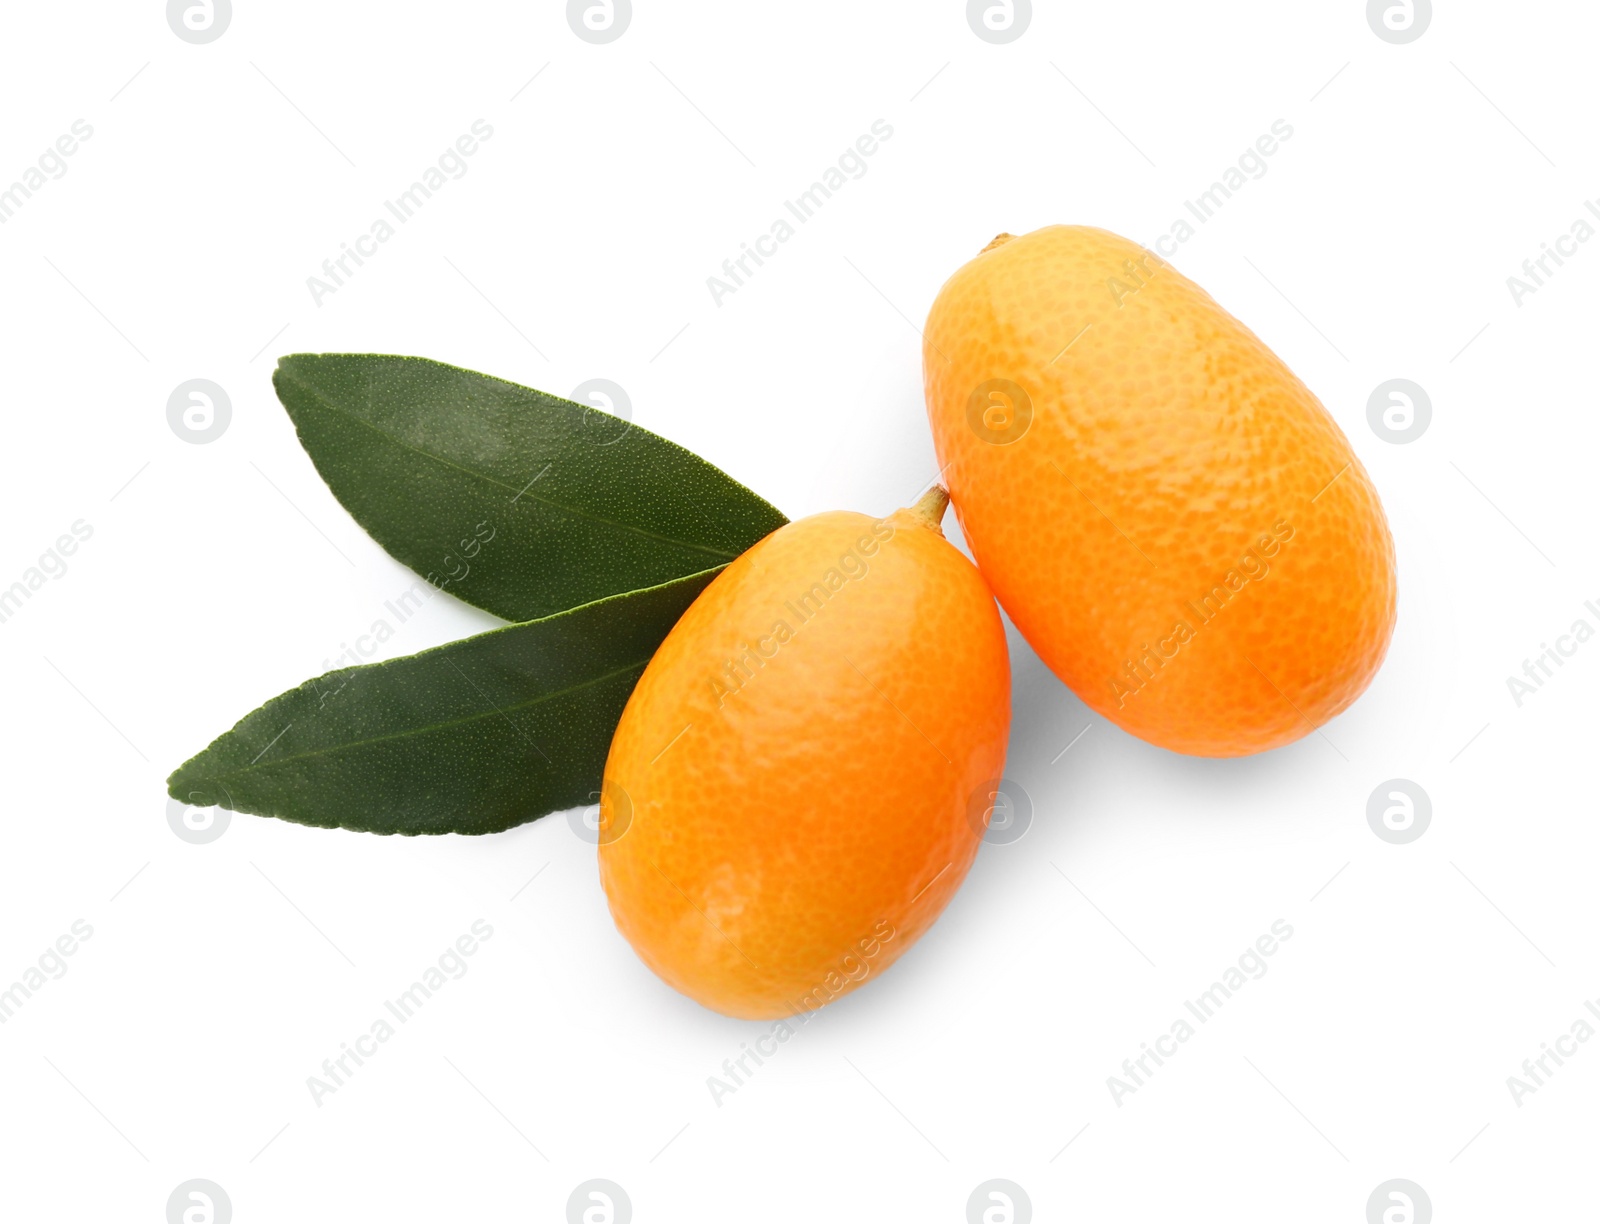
1166, 443
792, 835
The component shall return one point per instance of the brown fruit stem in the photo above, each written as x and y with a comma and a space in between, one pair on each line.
929, 508
999, 240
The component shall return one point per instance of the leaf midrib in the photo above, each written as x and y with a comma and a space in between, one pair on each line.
440, 726
644, 532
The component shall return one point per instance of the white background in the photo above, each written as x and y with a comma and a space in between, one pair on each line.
220, 976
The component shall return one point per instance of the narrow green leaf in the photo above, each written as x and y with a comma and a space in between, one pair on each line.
473, 737
516, 501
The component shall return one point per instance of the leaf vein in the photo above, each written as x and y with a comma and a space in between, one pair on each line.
440, 726
644, 532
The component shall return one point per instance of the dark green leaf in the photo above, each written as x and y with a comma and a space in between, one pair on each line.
473, 737
516, 501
